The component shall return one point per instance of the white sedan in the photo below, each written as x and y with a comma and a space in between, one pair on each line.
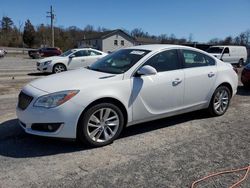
71, 59
129, 86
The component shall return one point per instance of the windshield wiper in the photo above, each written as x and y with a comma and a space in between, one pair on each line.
94, 69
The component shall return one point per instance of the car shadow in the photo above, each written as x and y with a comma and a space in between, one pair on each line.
14, 142
243, 91
38, 74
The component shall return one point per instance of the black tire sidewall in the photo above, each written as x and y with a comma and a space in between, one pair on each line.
57, 65
211, 106
82, 134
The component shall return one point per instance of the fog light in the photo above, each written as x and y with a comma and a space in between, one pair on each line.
46, 127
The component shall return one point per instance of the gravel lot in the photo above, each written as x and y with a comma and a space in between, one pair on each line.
172, 152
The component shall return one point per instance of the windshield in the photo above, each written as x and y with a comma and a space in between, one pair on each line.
119, 61
215, 50
67, 53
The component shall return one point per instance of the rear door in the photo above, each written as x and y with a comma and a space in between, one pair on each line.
200, 73
92, 57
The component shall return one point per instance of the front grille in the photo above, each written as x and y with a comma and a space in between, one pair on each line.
24, 100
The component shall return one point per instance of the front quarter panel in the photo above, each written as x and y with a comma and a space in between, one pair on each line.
116, 89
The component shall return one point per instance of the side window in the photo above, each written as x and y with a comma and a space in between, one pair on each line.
164, 61
226, 51
196, 59
81, 53
94, 53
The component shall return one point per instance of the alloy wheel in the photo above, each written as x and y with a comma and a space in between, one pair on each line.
59, 68
221, 101
103, 125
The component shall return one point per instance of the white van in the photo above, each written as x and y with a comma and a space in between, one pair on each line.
230, 54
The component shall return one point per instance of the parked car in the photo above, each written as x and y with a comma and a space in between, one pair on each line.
132, 85
230, 54
245, 76
71, 59
2, 52
44, 52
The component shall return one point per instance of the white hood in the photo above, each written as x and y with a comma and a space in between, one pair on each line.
51, 58
75, 79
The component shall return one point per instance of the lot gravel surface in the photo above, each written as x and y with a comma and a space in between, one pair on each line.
171, 152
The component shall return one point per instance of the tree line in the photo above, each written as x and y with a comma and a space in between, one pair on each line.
65, 38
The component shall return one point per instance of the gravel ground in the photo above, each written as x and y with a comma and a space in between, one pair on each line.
171, 152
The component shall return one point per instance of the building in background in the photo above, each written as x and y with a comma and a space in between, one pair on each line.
107, 41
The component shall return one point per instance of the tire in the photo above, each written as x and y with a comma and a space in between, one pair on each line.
94, 128
220, 101
59, 67
240, 64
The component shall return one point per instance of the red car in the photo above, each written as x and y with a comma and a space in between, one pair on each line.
245, 76
44, 52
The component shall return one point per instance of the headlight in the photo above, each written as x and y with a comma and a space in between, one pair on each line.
47, 62
55, 99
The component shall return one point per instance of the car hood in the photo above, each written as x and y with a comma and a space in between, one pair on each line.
75, 79
52, 58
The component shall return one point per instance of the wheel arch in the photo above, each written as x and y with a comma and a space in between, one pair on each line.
114, 101
228, 85
59, 63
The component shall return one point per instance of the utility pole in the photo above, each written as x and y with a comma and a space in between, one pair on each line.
52, 17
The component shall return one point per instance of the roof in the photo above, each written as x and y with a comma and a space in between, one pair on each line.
222, 46
101, 35
153, 47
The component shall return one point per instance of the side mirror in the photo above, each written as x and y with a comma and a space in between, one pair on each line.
71, 56
147, 70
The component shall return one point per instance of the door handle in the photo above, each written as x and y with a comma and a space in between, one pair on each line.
211, 74
176, 81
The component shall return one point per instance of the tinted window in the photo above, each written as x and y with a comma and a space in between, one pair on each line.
115, 42
81, 53
51, 49
119, 61
196, 59
93, 53
226, 51
215, 50
164, 61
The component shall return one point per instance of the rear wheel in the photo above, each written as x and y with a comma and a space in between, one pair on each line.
100, 125
220, 101
59, 68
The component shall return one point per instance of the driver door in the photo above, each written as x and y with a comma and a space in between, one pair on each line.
160, 94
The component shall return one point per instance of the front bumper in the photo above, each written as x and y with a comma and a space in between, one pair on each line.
44, 68
66, 114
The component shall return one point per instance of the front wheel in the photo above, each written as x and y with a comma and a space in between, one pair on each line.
59, 68
100, 125
220, 101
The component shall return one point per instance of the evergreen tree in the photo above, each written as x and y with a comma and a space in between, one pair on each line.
29, 34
